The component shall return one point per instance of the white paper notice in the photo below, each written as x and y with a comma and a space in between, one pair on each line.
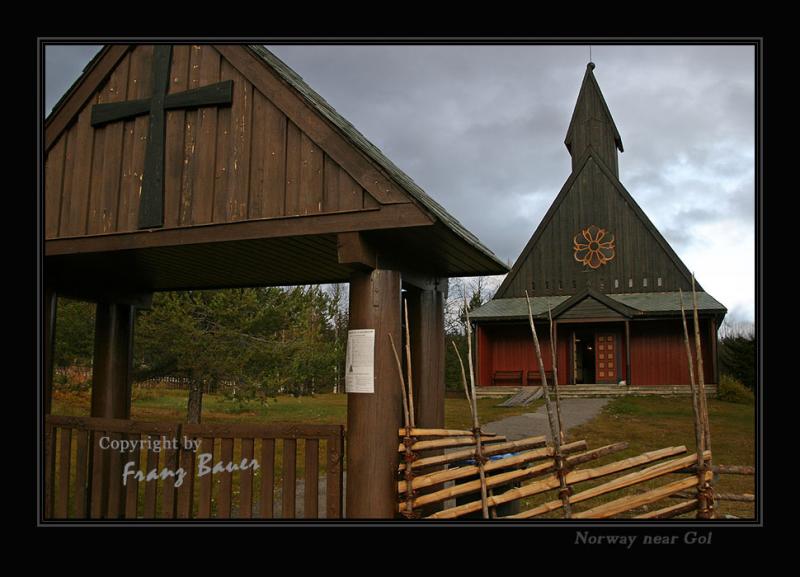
360, 361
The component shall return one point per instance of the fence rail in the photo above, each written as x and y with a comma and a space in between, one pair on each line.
111, 469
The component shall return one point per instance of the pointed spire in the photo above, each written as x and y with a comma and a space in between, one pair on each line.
592, 125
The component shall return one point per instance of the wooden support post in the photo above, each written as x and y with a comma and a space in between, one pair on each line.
373, 418
628, 353
49, 334
113, 356
426, 315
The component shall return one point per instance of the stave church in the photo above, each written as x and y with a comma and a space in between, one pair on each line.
610, 281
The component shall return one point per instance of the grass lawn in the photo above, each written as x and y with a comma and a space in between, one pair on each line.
654, 423
170, 405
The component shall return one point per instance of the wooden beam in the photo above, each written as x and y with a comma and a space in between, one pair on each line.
354, 250
395, 216
426, 315
82, 93
113, 355
373, 418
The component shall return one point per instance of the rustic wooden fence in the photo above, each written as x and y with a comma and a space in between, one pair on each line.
191, 471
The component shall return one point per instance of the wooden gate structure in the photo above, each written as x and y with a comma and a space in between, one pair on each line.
174, 167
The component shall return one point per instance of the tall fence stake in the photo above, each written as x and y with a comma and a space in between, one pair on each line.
555, 429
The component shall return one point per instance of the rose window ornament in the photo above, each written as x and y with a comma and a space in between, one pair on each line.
594, 247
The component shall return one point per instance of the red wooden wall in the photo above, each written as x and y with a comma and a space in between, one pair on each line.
658, 352
510, 348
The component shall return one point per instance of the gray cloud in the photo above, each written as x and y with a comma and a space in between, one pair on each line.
481, 128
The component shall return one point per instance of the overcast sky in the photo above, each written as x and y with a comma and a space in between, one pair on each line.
481, 129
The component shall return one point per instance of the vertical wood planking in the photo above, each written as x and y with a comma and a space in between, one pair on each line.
222, 166
132, 487
268, 160
311, 178
206, 143
54, 177
225, 481
65, 454
151, 487
79, 166
49, 469
81, 469
267, 478
333, 477
369, 201
115, 493
189, 164
293, 160
186, 490
246, 482
108, 157
289, 478
241, 119
168, 500
175, 132
311, 494
351, 195
330, 200
135, 145
204, 500
99, 487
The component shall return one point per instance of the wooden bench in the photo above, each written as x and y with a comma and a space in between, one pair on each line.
536, 377
513, 377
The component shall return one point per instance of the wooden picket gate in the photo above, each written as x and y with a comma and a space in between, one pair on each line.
84, 472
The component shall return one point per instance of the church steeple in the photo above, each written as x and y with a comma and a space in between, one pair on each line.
592, 125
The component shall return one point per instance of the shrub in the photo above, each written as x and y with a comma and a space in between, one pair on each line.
733, 391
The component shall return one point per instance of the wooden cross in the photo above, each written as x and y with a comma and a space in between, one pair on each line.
151, 203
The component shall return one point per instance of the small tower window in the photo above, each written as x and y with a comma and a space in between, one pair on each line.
547, 284
644, 282
559, 285
630, 283
616, 283
659, 281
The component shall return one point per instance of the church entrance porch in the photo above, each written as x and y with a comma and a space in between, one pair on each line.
595, 355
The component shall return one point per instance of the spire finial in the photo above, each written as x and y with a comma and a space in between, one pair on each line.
590, 66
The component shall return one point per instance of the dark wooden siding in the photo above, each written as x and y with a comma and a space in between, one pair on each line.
592, 126
589, 308
226, 164
551, 269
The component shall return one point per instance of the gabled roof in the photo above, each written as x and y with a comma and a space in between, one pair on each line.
588, 156
94, 73
590, 293
635, 305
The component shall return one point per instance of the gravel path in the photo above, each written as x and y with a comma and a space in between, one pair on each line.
574, 412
